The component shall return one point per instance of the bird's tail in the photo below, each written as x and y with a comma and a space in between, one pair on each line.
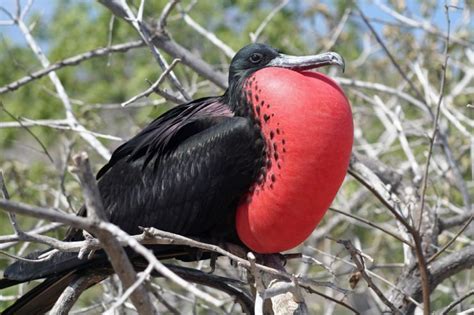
62, 269
41, 298
57, 264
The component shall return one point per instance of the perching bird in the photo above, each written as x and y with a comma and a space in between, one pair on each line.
257, 166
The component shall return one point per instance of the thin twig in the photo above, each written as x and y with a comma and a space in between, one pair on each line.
154, 86
436, 119
356, 258
373, 274
141, 278
61, 124
310, 290
372, 225
338, 29
451, 241
6, 196
255, 35
371, 181
456, 302
43, 147
110, 37
229, 52
389, 54
10, 240
71, 61
165, 13
94, 143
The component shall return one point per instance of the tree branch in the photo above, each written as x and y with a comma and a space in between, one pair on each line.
162, 41
117, 256
71, 61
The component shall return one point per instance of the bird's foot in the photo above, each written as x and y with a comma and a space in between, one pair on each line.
237, 250
212, 263
276, 260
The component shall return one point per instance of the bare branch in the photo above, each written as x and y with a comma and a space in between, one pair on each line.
162, 41
389, 54
98, 146
154, 86
440, 270
144, 32
357, 259
451, 241
229, 52
436, 121
372, 225
101, 226
370, 180
255, 35
73, 291
423, 24
456, 302
118, 257
71, 61
166, 12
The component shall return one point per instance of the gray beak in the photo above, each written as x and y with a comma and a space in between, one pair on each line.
307, 62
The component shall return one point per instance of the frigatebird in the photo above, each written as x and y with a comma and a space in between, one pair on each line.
257, 166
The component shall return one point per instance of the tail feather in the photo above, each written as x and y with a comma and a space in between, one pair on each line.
41, 298
60, 262
64, 268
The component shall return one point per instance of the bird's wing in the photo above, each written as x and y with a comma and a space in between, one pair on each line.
190, 183
161, 136
169, 130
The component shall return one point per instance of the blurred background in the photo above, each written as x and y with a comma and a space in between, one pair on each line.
394, 52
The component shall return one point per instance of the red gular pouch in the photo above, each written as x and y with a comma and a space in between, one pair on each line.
307, 123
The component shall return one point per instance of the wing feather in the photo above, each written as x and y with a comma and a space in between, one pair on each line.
203, 166
196, 185
161, 134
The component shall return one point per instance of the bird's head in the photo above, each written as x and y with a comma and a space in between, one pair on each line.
256, 56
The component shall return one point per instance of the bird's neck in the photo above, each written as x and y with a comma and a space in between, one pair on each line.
236, 96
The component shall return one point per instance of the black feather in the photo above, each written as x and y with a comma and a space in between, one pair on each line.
185, 173
161, 135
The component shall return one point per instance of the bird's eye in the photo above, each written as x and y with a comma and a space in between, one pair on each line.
255, 57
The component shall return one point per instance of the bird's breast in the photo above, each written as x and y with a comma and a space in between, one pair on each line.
306, 121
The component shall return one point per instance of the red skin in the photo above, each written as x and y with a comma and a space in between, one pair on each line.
310, 121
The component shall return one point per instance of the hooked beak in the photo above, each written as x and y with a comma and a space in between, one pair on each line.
307, 62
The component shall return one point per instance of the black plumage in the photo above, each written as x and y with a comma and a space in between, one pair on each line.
185, 173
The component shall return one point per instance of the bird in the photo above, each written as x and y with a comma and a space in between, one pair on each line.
257, 166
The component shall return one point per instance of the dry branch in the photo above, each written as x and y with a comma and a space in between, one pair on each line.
414, 114
117, 256
71, 61
162, 41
